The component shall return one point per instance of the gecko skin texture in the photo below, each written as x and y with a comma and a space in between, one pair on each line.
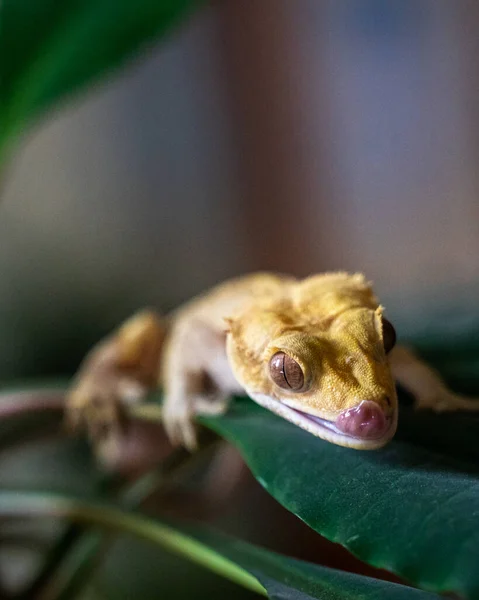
318, 352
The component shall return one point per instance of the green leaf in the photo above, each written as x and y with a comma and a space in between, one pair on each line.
50, 49
411, 508
243, 563
284, 577
405, 508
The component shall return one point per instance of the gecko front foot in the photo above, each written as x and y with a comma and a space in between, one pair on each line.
179, 416
178, 421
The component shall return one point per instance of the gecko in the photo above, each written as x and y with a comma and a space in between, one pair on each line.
318, 352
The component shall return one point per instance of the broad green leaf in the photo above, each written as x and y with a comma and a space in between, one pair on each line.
133, 568
254, 568
284, 577
411, 508
50, 49
406, 508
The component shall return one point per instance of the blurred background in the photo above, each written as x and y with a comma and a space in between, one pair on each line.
292, 135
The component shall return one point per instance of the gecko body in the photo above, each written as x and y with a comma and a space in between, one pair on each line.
317, 352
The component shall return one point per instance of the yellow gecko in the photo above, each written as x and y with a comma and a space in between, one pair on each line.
317, 352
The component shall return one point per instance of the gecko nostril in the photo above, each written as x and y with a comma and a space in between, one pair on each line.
366, 420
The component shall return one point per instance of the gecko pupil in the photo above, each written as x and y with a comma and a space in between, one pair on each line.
286, 372
389, 336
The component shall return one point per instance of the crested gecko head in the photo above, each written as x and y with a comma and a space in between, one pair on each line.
316, 354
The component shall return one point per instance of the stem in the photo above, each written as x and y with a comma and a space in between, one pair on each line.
78, 552
69, 537
13, 404
28, 414
29, 504
70, 578
64, 577
147, 412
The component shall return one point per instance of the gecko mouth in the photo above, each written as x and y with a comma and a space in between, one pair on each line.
364, 427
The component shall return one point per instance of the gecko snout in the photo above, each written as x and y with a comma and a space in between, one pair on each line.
366, 420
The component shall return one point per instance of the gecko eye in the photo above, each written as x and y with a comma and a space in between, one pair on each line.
285, 372
389, 336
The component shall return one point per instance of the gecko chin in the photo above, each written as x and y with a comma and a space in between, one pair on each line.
363, 427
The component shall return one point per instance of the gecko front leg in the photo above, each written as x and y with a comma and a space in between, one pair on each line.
425, 384
120, 370
197, 378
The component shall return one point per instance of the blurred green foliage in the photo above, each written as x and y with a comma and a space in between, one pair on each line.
50, 50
